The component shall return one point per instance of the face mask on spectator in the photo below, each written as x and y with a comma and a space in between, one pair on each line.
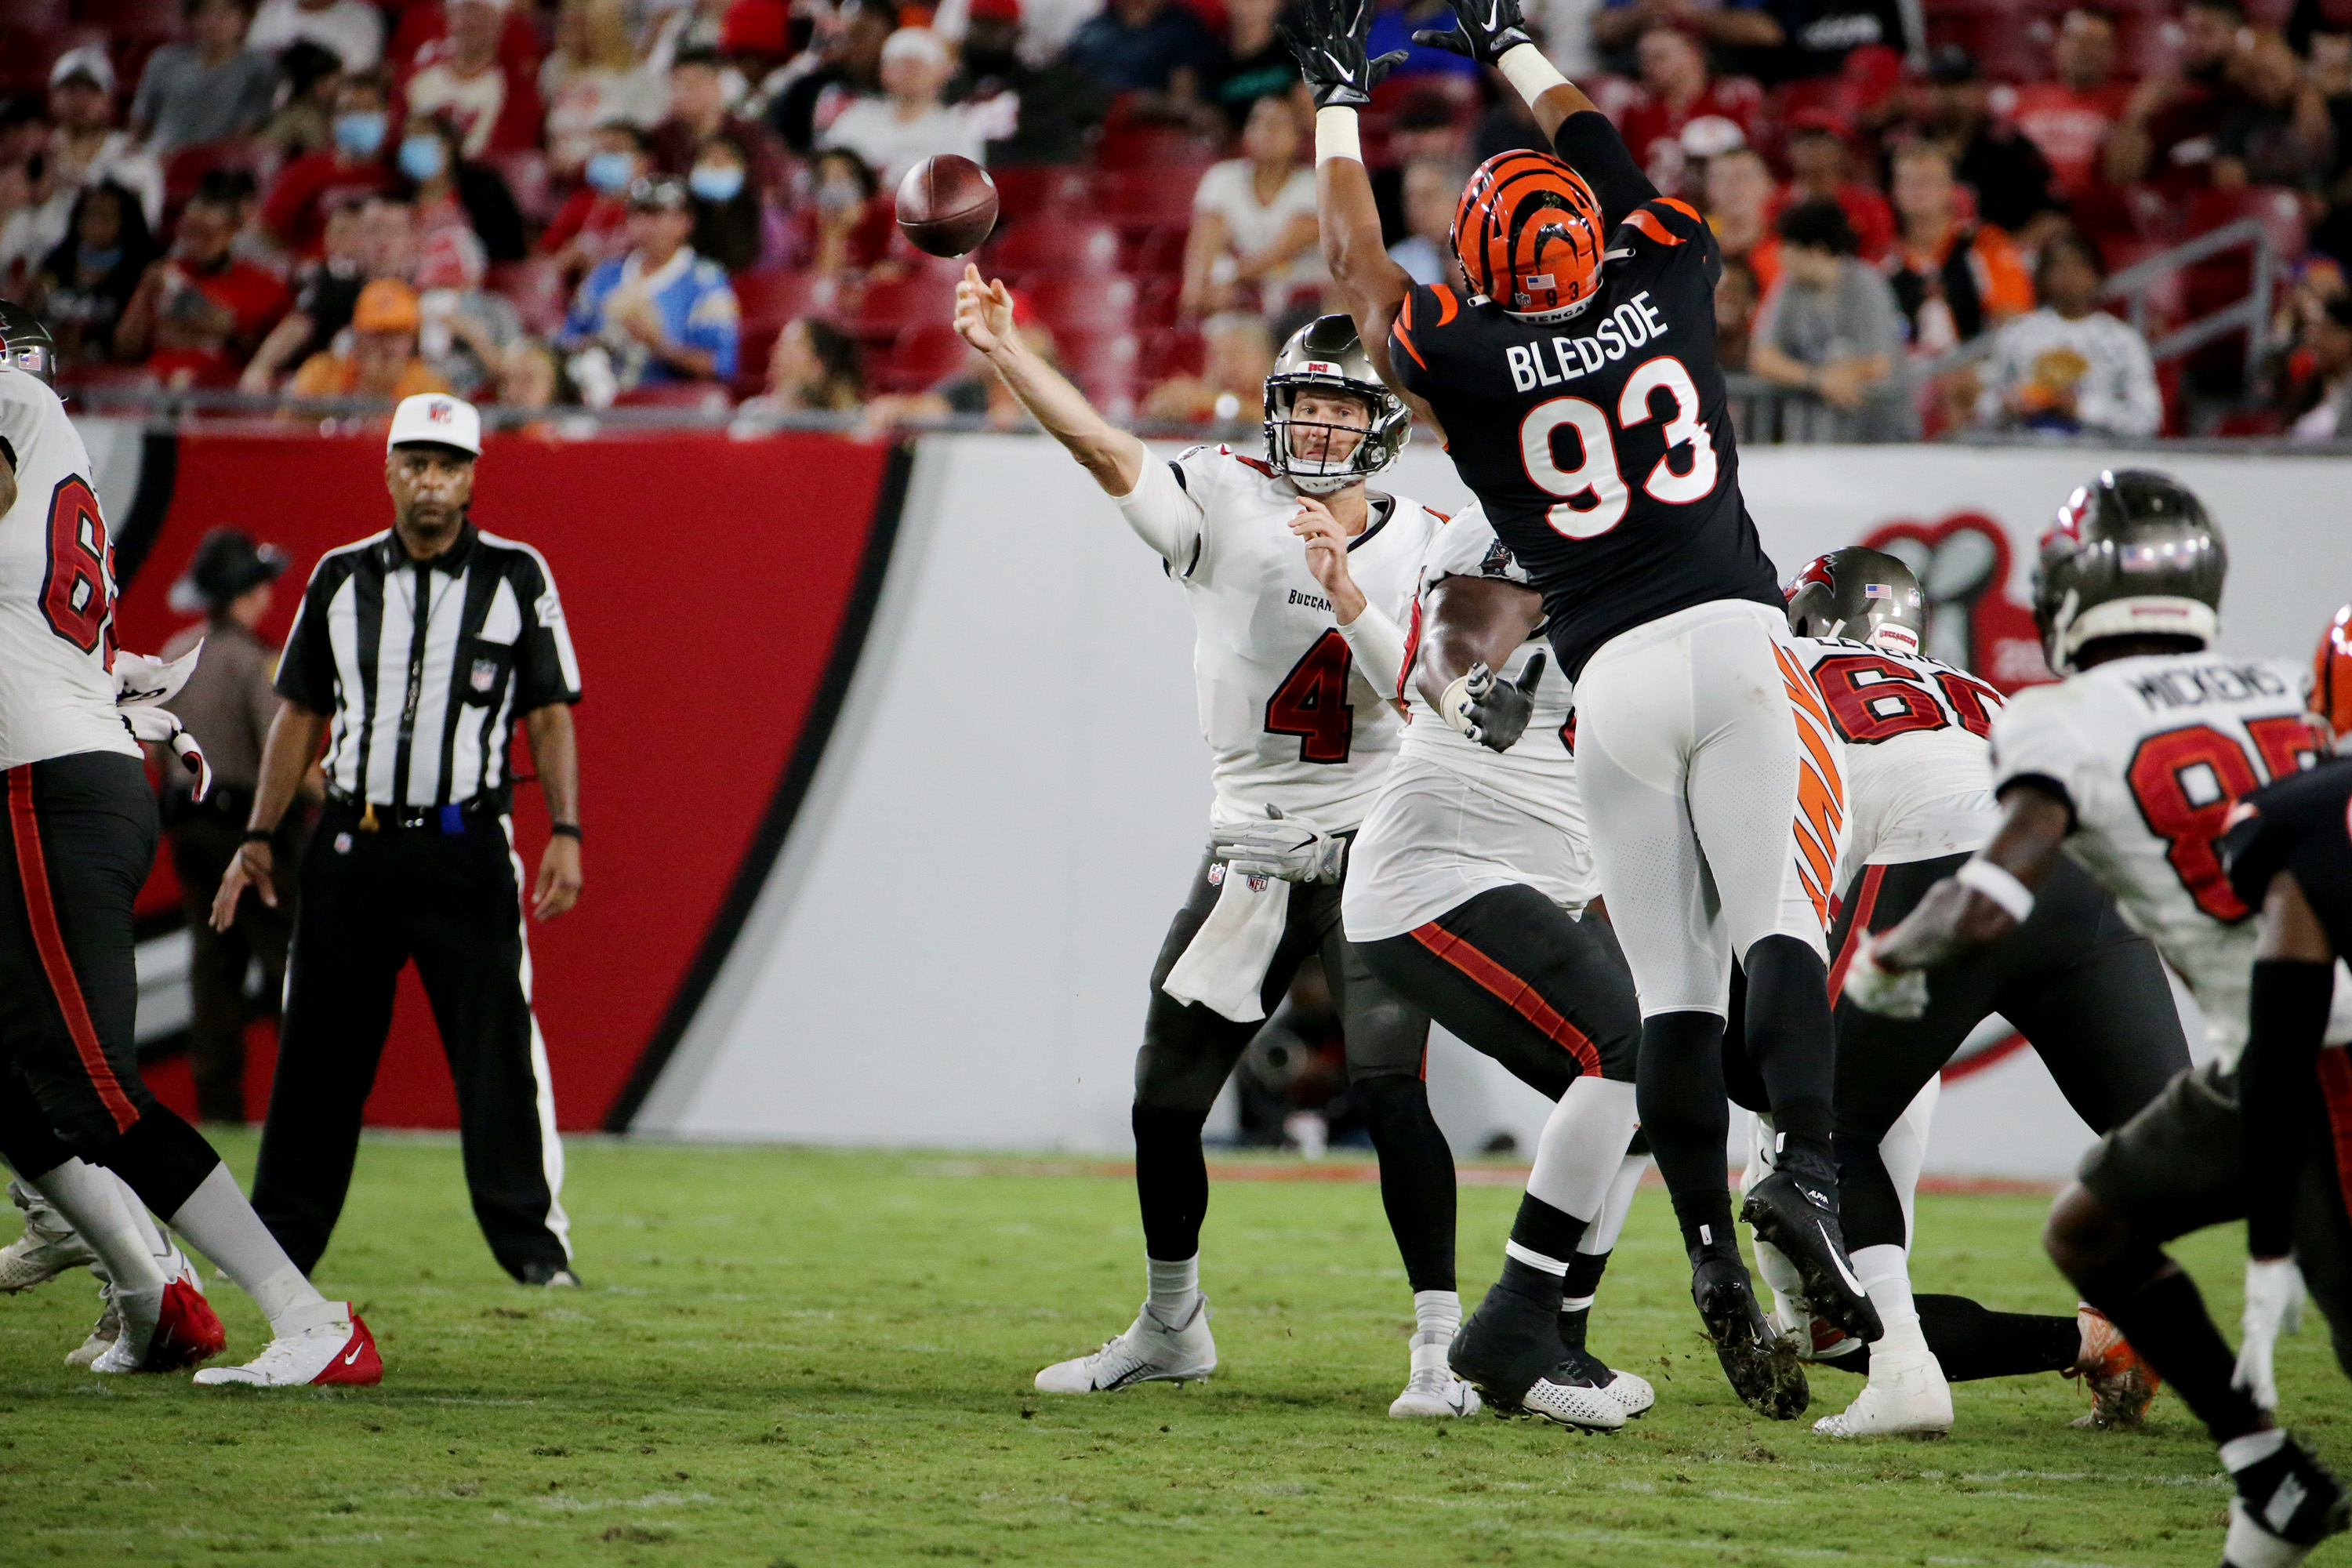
360, 134
423, 157
838, 195
715, 181
609, 172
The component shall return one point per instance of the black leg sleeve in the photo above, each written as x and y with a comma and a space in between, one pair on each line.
1972, 1342
1172, 1181
1790, 1036
1678, 1089
1416, 1177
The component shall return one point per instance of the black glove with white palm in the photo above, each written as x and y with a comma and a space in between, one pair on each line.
1283, 847
1492, 712
1483, 30
1331, 54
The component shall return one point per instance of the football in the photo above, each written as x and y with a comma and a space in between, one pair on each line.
947, 204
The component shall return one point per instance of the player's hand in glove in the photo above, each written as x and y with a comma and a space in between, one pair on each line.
1283, 847
1891, 994
1491, 711
1331, 53
2273, 1294
1483, 30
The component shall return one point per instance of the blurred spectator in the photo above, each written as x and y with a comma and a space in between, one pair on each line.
1237, 356
463, 80
814, 367
692, 27
1431, 191
1816, 38
304, 119
2012, 179
1051, 107
350, 171
2320, 400
351, 30
449, 192
2279, 132
848, 224
238, 190
1250, 62
420, 33
2069, 119
697, 112
209, 89
198, 312
908, 123
1145, 46
822, 82
84, 143
378, 360
2068, 366
530, 377
2167, 127
1739, 25
1831, 327
326, 292
463, 330
590, 80
1739, 209
1736, 297
592, 224
1046, 25
1674, 90
1817, 167
1254, 221
88, 280
1954, 279
1394, 22
661, 313
1427, 128
730, 221
35, 215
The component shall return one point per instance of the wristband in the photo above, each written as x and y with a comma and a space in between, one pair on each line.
1454, 704
259, 834
1525, 68
1982, 876
565, 830
1336, 135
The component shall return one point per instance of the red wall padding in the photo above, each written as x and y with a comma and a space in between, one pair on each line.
704, 580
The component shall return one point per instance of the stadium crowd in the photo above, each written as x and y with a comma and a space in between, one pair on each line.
632, 201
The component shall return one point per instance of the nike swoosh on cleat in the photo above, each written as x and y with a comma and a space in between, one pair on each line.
1837, 1262
353, 1359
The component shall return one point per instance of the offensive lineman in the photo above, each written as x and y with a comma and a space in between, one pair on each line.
1293, 673
1585, 409
81, 830
2133, 766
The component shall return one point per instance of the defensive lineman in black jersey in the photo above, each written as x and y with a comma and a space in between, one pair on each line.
1579, 389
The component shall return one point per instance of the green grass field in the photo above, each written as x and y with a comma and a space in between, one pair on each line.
787, 1356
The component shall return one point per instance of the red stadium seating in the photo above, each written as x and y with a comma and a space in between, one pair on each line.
1156, 251
924, 355
25, 53
36, 16
537, 289
772, 298
135, 18
1144, 148
2275, 207
1024, 190
708, 396
1154, 198
887, 307
1079, 302
1055, 243
189, 166
2147, 44
1103, 363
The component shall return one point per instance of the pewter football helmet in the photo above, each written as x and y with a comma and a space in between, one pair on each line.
1861, 594
25, 343
1326, 354
2133, 553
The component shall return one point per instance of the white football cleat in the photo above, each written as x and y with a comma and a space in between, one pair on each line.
47, 1248
1906, 1399
1631, 1391
1150, 1352
323, 1343
1577, 1405
1432, 1389
108, 1330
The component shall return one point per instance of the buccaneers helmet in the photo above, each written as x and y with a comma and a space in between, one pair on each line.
2331, 678
1326, 354
2133, 553
1528, 236
25, 343
1861, 594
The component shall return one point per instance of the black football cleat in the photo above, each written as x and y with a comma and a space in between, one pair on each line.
1796, 1209
1507, 1343
2285, 1507
1762, 1367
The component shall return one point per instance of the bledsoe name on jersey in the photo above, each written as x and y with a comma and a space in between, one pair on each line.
56, 588
1918, 784
1538, 772
2151, 752
1290, 720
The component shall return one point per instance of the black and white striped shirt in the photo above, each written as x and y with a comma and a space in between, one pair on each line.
425, 665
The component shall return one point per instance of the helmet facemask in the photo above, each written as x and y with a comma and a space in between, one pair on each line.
1340, 450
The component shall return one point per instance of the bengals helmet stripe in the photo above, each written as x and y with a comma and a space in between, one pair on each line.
2331, 674
1528, 234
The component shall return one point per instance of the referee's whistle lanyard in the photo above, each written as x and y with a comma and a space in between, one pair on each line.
420, 619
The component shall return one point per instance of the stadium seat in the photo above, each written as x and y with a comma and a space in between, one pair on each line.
1174, 350
135, 18
887, 307
772, 298
1147, 148
1103, 363
1024, 190
705, 396
1079, 302
36, 16
25, 53
2147, 44
537, 289
1053, 244
1155, 251
924, 355
186, 168
1158, 197
2275, 207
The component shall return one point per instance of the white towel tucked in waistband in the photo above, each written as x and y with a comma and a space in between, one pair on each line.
1224, 966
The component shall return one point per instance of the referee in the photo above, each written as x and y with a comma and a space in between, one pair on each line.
412, 653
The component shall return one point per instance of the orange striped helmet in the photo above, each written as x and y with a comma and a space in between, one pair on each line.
2331, 678
1529, 236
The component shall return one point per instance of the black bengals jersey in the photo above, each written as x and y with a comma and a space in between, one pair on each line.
1601, 446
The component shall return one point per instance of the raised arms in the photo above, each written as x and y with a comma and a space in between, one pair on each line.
983, 316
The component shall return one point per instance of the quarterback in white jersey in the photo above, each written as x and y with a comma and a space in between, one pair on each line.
1295, 662
2132, 767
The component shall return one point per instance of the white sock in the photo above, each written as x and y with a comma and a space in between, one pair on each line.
89, 1199
2252, 1448
1885, 1276
1602, 1234
1436, 1316
223, 1226
1583, 1147
1175, 1289
149, 1231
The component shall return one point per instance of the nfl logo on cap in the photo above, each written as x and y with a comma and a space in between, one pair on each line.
437, 419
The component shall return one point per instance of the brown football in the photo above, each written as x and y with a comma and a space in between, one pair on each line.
947, 204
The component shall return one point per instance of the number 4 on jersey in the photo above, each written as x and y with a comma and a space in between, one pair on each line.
1312, 701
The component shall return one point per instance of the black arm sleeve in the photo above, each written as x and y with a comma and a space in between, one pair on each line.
2278, 1087
1591, 146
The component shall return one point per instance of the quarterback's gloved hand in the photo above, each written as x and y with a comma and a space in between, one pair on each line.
1283, 847
1885, 991
2273, 1294
1331, 54
1483, 30
1490, 711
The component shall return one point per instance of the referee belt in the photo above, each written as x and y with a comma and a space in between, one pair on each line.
449, 820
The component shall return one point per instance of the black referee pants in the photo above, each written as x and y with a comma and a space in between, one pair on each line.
372, 902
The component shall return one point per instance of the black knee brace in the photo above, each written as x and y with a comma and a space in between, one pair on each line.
163, 1158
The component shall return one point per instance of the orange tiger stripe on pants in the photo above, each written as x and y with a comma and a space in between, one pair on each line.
1821, 786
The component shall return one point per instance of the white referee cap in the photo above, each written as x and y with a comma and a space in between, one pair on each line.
439, 419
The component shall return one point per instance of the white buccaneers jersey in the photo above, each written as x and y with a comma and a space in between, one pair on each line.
1917, 783
1538, 772
2152, 752
56, 588
1290, 720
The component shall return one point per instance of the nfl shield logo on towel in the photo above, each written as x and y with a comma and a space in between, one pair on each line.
486, 674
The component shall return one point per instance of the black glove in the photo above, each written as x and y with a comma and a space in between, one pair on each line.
1484, 30
1490, 711
1331, 54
